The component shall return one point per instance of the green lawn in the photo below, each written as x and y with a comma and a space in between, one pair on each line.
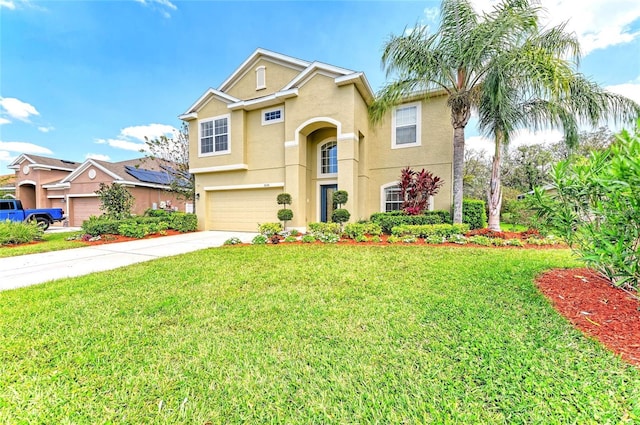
308, 334
50, 242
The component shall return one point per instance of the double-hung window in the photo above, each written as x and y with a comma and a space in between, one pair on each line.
392, 199
406, 126
214, 136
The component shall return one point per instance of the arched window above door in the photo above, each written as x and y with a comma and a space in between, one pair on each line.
328, 157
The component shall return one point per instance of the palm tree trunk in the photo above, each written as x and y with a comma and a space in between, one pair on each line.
458, 171
495, 190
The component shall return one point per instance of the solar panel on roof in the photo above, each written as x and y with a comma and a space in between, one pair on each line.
148, 176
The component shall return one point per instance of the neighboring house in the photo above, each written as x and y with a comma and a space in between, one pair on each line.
43, 182
7, 186
281, 124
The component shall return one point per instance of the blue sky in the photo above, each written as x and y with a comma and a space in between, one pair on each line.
81, 79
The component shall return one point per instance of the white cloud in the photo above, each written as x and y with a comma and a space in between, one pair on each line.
123, 144
630, 90
18, 109
160, 5
46, 129
98, 156
24, 147
4, 121
8, 4
6, 156
598, 24
432, 14
151, 131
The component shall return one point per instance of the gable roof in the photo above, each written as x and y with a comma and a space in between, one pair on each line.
36, 161
268, 55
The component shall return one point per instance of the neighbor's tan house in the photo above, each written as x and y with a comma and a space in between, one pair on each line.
282, 124
43, 182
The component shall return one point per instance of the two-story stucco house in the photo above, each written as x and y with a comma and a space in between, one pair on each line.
281, 124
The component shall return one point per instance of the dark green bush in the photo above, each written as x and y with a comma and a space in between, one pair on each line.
284, 199
157, 213
183, 222
340, 197
340, 215
474, 213
132, 229
285, 214
103, 225
388, 220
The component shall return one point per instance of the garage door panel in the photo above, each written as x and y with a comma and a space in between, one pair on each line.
241, 209
82, 209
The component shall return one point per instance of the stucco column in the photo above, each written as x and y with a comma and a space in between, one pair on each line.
295, 180
348, 172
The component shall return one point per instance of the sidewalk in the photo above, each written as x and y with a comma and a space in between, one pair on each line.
25, 270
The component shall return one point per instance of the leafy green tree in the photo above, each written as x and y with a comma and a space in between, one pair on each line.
533, 85
175, 151
455, 60
115, 200
596, 140
594, 205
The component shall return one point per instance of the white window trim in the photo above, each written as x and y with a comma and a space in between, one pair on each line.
214, 153
320, 174
383, 198
261, 71
418, 106
266, 111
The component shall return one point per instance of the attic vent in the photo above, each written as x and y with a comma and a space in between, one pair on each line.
261, 78
67, 162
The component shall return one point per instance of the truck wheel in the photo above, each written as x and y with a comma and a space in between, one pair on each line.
43, 223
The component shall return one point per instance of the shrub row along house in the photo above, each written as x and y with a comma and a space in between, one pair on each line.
282, 124
43, 182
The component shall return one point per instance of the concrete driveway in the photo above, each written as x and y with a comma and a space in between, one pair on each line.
25, 270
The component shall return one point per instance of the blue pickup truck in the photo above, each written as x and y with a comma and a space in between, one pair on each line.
11, 209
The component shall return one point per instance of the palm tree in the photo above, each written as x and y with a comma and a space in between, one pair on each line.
456, 59
535, 85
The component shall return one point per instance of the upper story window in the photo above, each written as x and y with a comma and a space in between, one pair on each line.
272, 116
214, 136
391, 198
261, 78
329, 158
405, 123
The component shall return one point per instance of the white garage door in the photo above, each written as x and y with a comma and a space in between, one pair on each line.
82, 208
241, 209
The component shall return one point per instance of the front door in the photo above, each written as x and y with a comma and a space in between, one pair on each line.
326, 201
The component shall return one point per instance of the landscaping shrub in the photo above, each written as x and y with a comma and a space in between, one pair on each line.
291, 239
259, 240
388, 220
183, 222
285, 214
133, 230
426, 230
269, 229
393, 239
594, 205
294, 232
308, 239
340, 215
434, 239
232, 241
328, 237
416, 188
458, 239
12, 232
361, 238
514, 242
96, 226
355, 230
157, 213
474, 213
480, 240
319, 228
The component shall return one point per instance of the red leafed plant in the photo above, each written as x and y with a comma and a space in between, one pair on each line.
416, 188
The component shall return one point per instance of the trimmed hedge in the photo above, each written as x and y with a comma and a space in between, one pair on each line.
388, 220
428, 230
358, 230
474, 213
134, 226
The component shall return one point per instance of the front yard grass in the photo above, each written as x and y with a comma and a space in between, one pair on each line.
50, 242
308, 334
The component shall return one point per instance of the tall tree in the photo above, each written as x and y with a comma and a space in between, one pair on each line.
455, 60
534, 83
174, 150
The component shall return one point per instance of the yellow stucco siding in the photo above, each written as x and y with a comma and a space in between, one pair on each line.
276, 77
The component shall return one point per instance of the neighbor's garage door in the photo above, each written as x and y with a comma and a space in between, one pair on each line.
81, 209
241, 209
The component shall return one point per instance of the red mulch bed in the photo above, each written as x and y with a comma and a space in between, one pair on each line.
106, 239
598, 309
